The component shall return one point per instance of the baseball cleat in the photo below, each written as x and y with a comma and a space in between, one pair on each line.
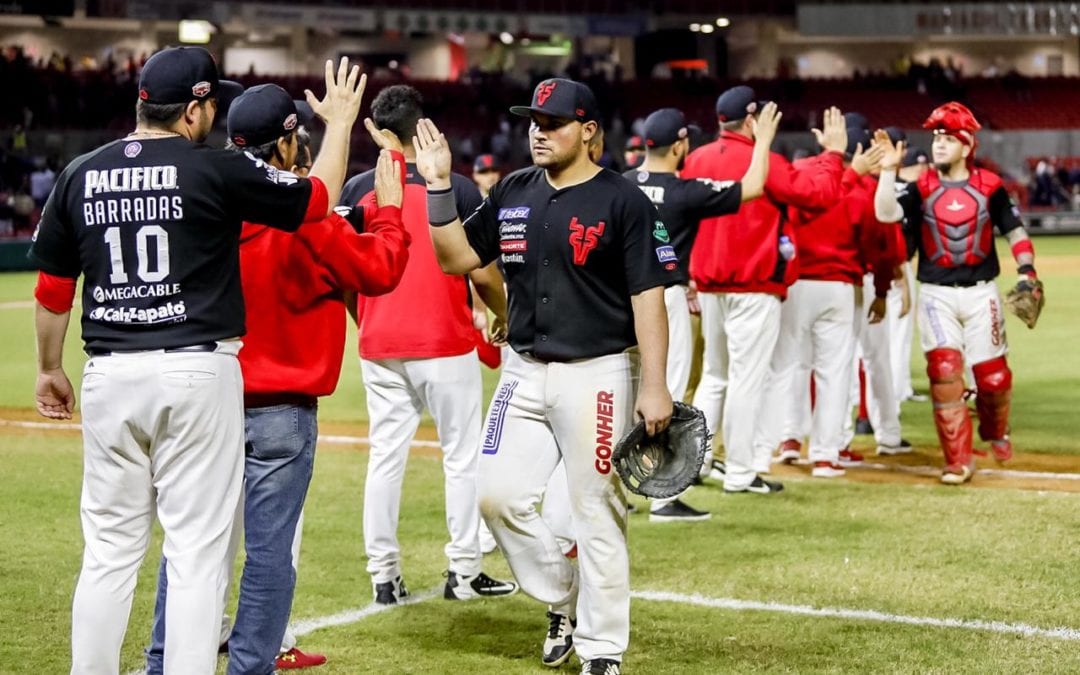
295, 659
1002, 449
956, 474
902, 448
758, 486
677, 511
460, 587
601, 667
559, 643
827, 470
717, 470
789, 451
390, 592
863, 427
850, 458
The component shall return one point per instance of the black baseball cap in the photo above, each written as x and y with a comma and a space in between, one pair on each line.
896, 134
635, 142
183, 74
265, 113
736, 103
855, 137
856, 120
565, 99
914, 155
665, 126
484, 163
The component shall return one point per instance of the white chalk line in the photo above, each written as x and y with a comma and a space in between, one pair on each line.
418, 443
23, 304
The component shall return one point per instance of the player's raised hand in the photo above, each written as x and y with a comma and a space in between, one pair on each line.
867, 161
833, 132
765, 123
433, 158
344, 92
384, 138
892, 155
388, 188
53, 395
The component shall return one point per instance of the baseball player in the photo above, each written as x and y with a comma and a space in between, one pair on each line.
588, 330
682, 204
430, 362
818, 319
959, 309
633, 152
485, 173
742, 265
153, 223
293, 351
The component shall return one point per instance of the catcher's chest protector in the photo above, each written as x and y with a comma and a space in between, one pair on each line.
956, 227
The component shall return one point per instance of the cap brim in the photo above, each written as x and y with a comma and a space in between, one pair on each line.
305, 112
228, 91
524, 110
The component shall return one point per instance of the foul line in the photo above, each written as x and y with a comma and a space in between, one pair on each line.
859, 614
418, 443
305, 626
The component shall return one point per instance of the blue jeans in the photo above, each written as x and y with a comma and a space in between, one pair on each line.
280, 455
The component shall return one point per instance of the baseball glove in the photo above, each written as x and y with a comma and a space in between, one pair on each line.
666, 464
1026, 300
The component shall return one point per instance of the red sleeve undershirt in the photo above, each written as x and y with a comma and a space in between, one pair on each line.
56, 294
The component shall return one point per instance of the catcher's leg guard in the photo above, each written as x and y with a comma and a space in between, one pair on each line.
946, 370
993, 380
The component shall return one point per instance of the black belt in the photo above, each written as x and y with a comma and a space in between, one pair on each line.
201, 347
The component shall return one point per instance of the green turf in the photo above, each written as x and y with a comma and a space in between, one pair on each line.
994, 555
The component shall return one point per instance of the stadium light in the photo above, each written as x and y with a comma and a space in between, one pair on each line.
707, 28
195, 32
695, 27
506, 38
723, 22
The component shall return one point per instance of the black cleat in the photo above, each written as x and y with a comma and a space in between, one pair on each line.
559, 641
390, 592
601, 667
479, 586
677, 511
758, 486
863, 427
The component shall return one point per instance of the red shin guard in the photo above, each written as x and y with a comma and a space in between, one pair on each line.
993, 379
946, 370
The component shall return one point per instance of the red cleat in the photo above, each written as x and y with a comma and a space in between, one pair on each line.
295, 659
1002, 449
850, 458
789, 451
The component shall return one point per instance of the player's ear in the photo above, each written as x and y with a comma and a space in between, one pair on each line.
192, 111
588, 130
965, 151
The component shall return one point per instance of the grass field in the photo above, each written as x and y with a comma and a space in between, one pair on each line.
909, 549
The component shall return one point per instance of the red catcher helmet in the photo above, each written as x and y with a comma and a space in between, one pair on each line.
956, 120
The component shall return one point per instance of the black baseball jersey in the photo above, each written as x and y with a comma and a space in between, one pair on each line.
682, 204
154, 225
953, 227
572, 259
912, 209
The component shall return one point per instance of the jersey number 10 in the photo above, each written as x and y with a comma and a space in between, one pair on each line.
142, 249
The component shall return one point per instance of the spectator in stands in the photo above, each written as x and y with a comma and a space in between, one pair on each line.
41, 181
1047, 189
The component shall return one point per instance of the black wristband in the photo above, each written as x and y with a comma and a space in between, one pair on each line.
1027, 269
442, 207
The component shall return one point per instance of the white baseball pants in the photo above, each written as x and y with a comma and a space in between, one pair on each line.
680, 341
398, 391
585, 407
740, 331
969, 319
901, 332
168, 425
817, 334
874, 343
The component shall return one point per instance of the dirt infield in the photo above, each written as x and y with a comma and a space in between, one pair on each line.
1027, 471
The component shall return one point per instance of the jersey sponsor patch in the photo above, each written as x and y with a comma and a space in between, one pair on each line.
513, 245
666, 254
605, 416
497, 417
514, 213
655, 193
660, 232
170, 312
132, 150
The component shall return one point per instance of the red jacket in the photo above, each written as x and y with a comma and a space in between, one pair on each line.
738, 253
293, 287
845, 241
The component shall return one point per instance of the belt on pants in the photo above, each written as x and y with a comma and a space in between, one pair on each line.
201, 347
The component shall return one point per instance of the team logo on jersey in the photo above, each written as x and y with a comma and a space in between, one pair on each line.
544, 92
584, 239
514, 213
642, 176
201, 89
955, 206
132, 150
666, 254
660, 232
497, 417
